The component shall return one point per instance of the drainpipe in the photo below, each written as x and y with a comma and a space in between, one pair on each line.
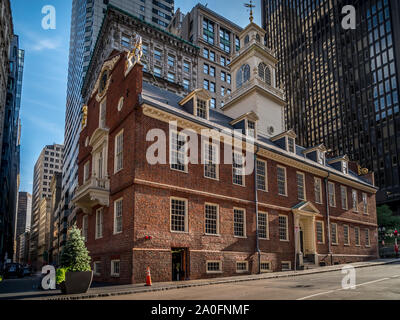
328, 216
256, 203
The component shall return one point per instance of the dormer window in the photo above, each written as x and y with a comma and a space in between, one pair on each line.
201, 109
345, 167
251, 128
290, 145
321, 157
197, 103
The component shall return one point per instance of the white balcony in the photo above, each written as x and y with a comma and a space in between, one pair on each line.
94, 191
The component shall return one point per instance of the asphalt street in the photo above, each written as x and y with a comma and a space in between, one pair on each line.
372, 283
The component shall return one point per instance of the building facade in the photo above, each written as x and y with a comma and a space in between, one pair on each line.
56, 238
86, 21
209, 218
169, 62
217, 38
342, 85
48, 163
6, 37
10, 155
23, 223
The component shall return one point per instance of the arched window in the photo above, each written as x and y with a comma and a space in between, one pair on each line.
243, 75
257, 37
246, 39
264, 72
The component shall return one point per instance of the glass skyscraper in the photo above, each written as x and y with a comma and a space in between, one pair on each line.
86, 19
342, 85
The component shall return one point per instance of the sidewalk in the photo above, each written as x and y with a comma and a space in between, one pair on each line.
116, 290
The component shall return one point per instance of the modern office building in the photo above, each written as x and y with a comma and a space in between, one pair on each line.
48, 163
23, 220
6, 36
86, 20
342, 85
217, 38
10, 152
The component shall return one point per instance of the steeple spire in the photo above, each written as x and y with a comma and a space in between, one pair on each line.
251, 6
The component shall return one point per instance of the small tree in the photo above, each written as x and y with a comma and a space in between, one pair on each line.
386, 218
75, 256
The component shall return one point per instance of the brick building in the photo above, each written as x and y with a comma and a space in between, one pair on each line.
188, 220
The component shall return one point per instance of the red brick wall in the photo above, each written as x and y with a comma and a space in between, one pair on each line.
146, 208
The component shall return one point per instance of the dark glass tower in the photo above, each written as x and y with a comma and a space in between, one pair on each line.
342, 85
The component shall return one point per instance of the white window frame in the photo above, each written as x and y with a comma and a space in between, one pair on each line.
354, 192
334, 195
96, 269
265, 270
242, 271
214, 271
85, 226
336, 240
348, 235
318, 181
304, 185
367, 244
277, 178
294, 145
115, 216
345, 167
207, 106
344, 201
205, 156
248, 130
244, 223
323, 231
113, 273
365, 203
186, 222
178, 135
241, 168
99, 232
267, 225
357, 238
287, 228
265, 175
217, 219
118, 153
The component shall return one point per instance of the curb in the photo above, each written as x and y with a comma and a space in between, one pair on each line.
222, 281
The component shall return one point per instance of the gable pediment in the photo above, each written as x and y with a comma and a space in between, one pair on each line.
306, 207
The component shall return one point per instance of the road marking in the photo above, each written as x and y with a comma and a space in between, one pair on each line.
340, 289
396, 276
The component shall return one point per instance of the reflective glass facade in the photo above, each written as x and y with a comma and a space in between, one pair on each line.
342, 85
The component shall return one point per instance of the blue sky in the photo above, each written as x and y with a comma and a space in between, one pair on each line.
46, 68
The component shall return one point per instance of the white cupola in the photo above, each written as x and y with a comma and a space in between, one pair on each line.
254, 87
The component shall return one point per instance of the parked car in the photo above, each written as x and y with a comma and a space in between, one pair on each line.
13, 270
27, 271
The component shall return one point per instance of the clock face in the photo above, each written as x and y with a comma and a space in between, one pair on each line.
103, 81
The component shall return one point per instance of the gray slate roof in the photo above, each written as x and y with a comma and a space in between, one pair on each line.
169, 102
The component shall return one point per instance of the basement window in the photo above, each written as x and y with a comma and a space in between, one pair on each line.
265, 266
242, 266
214, 266
286, 265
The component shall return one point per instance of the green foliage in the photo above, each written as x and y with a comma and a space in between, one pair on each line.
75, 255
1, 278
60, 275
387, 219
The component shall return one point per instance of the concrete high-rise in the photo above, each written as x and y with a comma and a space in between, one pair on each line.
48, 163
86, 20
342, 85
23, 222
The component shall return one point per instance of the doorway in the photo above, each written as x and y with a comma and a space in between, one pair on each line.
179, 264
302, 241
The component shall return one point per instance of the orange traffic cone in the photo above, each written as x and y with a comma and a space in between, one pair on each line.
148, 277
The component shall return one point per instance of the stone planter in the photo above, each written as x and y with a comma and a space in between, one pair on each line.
77, 282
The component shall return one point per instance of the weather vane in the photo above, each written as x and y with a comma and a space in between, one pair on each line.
250, 6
